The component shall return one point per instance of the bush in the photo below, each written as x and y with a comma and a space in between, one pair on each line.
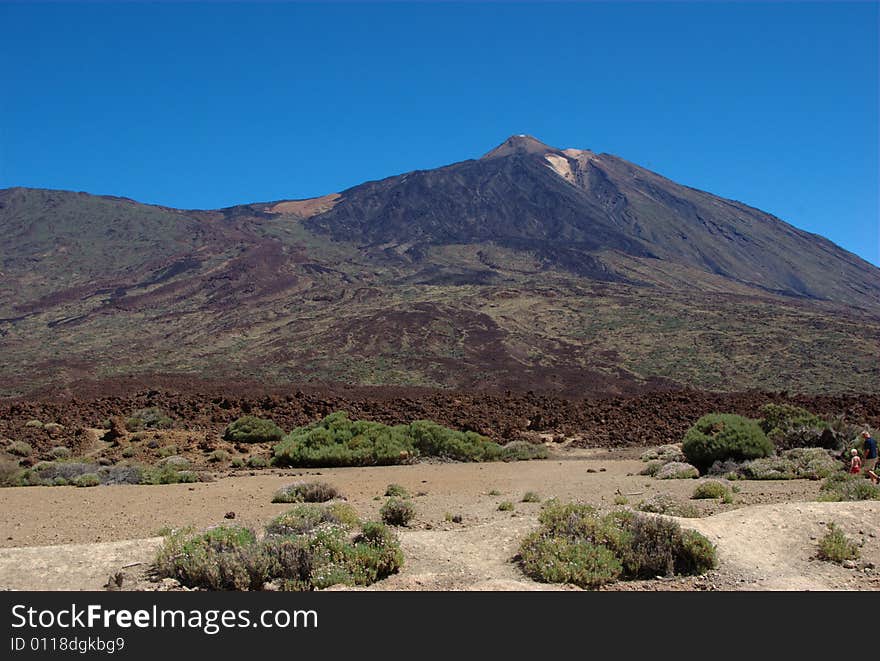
835, 546
128, 452
505, 506
396, 491
574, 544
531, 497
676, 470
709, 490
664, 454
662, 503
257, 461
167, 475
306, 492
19, 448
148, 418
652, 468
218, 456
523, 451
844, 486
238, 462
338, 441
87, 480
60, 452
10, 473
307, 517
721, 436
251, 429
397, 511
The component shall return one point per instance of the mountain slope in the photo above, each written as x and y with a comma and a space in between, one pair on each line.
529, 268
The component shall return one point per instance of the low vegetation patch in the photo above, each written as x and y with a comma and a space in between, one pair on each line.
711, 489
396, 491
577, 545
330, 552
505, 506
306, 492
663, 503
307, 517
844, 486
338, 441
20, 449
677, 470
398, 511
251, 429
531, 497
148, 418
723, 436
835, 546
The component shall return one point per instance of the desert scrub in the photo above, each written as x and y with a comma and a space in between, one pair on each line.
790, 466
251, 429
306, 517
167, 474
844, 486
652, 467
790, 426
148, 418
238, 462
677, 470
662, 503
306, 492
396, 491
338, 441
37, 424
20, 449
505, 506
10, 473
60, 452
664, 454
621, 500
397, 511
128, 452
710, 489
218, 456
722, 436
577, 545
523, 451
835, 546
257, 461
531, 497
87, 480
168, 451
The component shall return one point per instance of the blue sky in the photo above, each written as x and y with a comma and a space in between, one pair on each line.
203, 106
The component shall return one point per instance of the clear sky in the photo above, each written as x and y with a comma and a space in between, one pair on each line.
203, 106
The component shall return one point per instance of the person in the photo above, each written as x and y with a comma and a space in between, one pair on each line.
870, 463
855, 464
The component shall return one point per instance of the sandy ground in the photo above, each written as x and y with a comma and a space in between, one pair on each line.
63, 538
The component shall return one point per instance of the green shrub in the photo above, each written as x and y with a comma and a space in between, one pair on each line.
167, 474
662, 503
397, 511
844, 486
835, 546
218, 456
722, 436
652, 468
60, 482
128, 452
251, 429
60, 452
710, 490
563, 560
306, 517
87, 480
10, 473
494, 492
575, 544
20, 448
621, 500
34, 423
786, 416
505, 506
677, 470
523, 451
148, 418
257, 461
790, 426
306, 492
531, 497
396, 491
238, 462
338, 441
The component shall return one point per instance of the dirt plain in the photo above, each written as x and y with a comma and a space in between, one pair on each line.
65, 538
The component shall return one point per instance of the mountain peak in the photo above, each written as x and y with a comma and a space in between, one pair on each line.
519, 144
